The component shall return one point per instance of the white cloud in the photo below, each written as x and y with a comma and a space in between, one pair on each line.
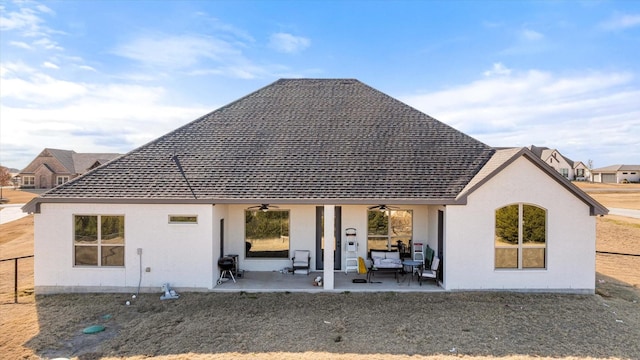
223, 27
21, 83
21, 45
531, 35
621, 21
86, 67
42, 111
44, 9
47, 44
526, 42
50, 65
497, 69
178, 51
287, 43
578, 114
193, 55
26, 19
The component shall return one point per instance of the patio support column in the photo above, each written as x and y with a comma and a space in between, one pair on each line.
329, 246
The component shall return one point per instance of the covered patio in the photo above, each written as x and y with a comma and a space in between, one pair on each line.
274, 281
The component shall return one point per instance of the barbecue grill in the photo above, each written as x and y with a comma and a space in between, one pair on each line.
226, 263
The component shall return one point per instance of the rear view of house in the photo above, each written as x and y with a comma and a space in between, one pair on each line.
300, 165
572, 170
53, 167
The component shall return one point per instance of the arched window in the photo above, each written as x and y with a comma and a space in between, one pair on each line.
521, 237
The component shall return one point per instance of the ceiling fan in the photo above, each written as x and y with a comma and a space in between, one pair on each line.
262, 207
382, 207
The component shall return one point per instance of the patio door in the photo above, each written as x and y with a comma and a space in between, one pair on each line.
337, 253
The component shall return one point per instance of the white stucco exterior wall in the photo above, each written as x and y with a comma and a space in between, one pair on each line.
178, 254
183, 255
469, 244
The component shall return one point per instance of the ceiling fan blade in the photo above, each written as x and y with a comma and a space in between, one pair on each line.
261, 207
383, 207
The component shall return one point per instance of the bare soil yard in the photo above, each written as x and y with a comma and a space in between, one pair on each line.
626, 196
474, 325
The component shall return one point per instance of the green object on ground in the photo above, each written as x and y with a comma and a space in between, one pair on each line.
93, 329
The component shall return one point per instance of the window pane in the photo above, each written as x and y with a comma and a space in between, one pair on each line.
86, 255
86, 229
533, 258
507, 225
267, 234
112, 256
378, 222
377, 243
507, 258
401, 224
112, 230
533, 225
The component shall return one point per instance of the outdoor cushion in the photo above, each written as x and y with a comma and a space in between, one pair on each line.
386, 259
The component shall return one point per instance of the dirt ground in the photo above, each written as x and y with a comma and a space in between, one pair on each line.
473, 325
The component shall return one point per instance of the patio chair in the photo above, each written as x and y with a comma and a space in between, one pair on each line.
301, 260
432, 272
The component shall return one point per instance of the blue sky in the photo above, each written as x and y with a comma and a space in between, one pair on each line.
109, 76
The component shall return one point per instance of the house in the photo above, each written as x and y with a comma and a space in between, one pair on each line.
282, 167
53, 167
572, 170
616, 174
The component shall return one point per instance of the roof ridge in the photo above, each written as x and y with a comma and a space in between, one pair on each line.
296, 140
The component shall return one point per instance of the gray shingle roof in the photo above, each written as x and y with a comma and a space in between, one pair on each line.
617, 167
82, 162
296, 140
71, 161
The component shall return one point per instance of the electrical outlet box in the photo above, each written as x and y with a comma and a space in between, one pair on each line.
148, 269
139, 251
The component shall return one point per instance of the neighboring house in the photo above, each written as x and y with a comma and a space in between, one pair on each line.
269, 173
572, 170
616, 174
53, 167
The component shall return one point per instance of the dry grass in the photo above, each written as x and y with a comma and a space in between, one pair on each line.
381, 324
17, 196
625, 196
474, 325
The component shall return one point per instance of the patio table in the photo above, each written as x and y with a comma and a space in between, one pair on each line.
413, 264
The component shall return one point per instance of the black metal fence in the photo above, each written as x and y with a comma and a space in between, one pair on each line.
20, 283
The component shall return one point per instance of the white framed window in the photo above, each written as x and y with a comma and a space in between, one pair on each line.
28, 180
98, 240
61, 180
520, 237
183, 219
